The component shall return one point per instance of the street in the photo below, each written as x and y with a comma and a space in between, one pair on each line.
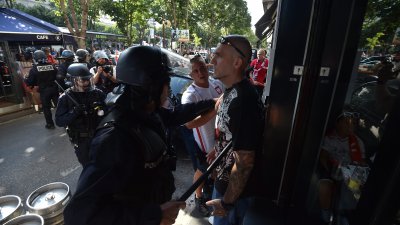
32, 156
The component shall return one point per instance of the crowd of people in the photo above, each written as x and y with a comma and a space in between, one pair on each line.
115, 116
116, 122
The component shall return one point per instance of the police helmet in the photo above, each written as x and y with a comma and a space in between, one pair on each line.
80, 77
67, 54
143, 66
99, 54
39, 56
82, 53
28, 53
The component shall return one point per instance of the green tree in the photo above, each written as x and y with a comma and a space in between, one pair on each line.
374, 41
196, 40
131, 16
42, 13
75, 15
9, 4
213, 18
382, 16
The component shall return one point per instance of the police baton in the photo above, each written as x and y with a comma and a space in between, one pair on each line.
214, 164
69, 96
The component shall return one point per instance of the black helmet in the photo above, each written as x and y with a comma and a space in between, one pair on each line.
143, 66
67, 54
29, 52
78, 70
39, 56
80, 77
82, 53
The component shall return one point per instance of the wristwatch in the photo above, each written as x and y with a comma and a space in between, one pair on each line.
227, 206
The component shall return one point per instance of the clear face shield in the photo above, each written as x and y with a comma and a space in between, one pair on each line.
82, 84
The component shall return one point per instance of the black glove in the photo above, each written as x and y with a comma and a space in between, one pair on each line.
80, 109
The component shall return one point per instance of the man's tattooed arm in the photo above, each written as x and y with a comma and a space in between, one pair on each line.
244, 163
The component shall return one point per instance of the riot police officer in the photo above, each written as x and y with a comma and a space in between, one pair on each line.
80, 109
43, 74
104, 75
67, 58
82, 55
128, 179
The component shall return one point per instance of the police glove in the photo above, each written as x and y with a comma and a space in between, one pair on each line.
80, 109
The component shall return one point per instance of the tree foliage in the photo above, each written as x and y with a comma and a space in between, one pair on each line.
211, 19
207, 20
382, 16
130, 15
42, 13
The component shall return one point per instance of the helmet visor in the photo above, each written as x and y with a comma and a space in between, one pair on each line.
83, 84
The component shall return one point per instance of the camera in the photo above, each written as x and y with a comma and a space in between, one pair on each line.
107, 68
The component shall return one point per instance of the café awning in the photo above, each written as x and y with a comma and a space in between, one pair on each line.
19, 26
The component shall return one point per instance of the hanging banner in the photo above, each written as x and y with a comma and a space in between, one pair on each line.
183, 35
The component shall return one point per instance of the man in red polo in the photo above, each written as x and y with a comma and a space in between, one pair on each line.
260, 66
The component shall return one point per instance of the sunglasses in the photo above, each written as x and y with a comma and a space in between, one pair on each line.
353, 115
225, 41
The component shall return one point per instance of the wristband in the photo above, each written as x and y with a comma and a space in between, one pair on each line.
227, 206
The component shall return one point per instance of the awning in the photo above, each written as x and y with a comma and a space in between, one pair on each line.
266, 21
95, 34
19, 26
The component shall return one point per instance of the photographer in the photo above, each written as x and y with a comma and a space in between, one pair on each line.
80, 109
104, 74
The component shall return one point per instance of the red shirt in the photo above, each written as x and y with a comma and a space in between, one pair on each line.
259, 70
51, 60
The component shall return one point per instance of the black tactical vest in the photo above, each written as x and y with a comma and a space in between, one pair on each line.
46, 75
87, 122
155, 181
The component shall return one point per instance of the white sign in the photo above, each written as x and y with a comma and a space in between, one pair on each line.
151, 33
42, 37
324, 71
45, 68
298, 70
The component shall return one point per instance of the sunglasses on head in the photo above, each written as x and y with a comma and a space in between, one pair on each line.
225, 41
353, 115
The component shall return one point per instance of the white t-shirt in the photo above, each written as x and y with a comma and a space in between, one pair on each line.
204, 135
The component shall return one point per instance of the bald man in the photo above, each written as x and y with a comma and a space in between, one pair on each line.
260, 66
240, 121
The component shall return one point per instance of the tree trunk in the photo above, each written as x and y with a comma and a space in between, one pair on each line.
79, 33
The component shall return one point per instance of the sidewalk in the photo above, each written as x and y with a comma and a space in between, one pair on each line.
38, 156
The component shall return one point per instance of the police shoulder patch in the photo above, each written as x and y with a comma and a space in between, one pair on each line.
45, 68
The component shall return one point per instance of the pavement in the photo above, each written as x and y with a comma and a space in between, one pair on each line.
32, 156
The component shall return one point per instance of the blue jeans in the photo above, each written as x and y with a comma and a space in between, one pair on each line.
236, 215
217, 219
190, 144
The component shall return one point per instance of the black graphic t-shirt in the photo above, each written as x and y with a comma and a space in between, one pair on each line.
240, 119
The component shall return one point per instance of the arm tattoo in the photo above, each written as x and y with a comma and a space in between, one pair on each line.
244, 162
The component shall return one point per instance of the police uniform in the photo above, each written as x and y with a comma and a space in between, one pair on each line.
62, 73
80, 125
68, 56
44, 75
132, 172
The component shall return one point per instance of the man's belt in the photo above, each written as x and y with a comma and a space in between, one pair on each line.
155, 163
